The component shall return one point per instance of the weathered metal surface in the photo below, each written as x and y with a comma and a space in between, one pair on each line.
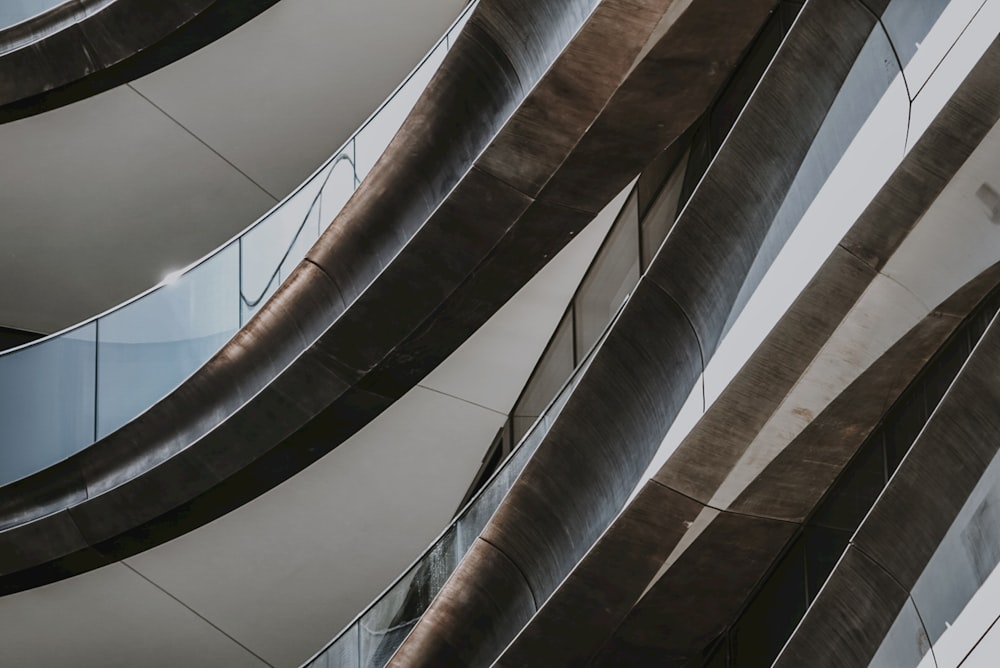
549, 520
429, 247
851, 617
84, 47
671, 618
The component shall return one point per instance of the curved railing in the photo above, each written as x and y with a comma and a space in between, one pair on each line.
13, 12
645, 220
641, 225
375, 634
62, 393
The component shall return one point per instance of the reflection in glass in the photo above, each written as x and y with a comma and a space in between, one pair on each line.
384, 625
46, 402
610, 279
147, 348
13, 12
266, 248
387, 623
966, 557
905, 643
338, 187
662, 213
951, 578
773, 613
344, 652
374, 137
922, 31
554, 367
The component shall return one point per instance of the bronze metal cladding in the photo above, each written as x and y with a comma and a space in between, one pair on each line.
84, 47
470, 198
854, 612
557, 513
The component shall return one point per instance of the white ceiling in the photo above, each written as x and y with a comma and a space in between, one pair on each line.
102, 198
271, 582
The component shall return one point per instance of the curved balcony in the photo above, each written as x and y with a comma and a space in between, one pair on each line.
102, 373
386, 292
53, 52
579, 565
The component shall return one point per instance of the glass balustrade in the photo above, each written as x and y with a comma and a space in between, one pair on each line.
377, 632
638, 232
61, 393
782, 599
13, 12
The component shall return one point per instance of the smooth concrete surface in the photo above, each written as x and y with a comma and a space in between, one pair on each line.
274, 580
191, 154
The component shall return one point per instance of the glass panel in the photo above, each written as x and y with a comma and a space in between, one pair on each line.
15, 11
905, 644
462, 20
302, 241
662, 214
966, 557
609, 280
905, 422
475, 517
699, 157
554, 367
47, 402
824, 548
265, 248
943, 371
869, 111
773, 614
341, 654
337, 189
388, 622
734, 97
920, 38
372, 140
856, 489
147, 348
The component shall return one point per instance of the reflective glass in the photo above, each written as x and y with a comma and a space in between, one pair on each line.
302, 241
470, 524
554, 367
922, 31
824, 548
662, 213
132, 357
854, 492
338, 186
905, 643
147, 348
610, 279
373, 138
384, 626
265, 248
773, 613
903, 425
459, 24
943, 76
47, 402
15, 11
341, 654
966, 557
